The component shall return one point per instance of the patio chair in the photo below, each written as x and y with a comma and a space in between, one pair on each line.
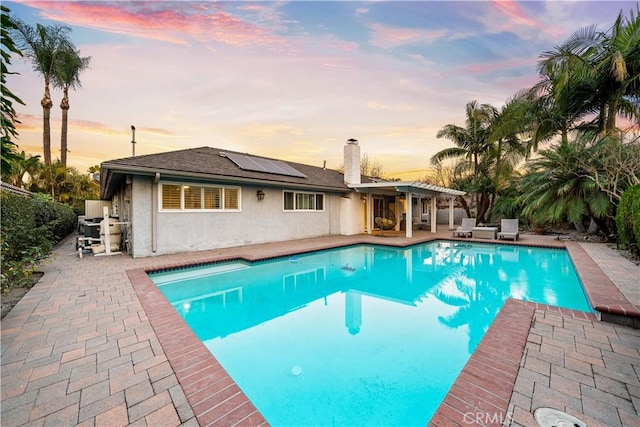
509, 229
465, 229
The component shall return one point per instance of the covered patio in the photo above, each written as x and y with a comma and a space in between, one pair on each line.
407, 191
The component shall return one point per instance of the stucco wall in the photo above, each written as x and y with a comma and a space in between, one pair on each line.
259, 221
141, 217
351, 214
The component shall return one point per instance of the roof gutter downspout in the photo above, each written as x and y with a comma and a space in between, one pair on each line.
154, 213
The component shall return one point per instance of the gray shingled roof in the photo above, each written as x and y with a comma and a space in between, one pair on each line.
206, 164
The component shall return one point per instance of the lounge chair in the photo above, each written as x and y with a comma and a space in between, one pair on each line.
509, 229
465, 229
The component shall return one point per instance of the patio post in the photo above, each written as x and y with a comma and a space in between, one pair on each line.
434, 213
369, 205
451, 217
409, 221
398, 213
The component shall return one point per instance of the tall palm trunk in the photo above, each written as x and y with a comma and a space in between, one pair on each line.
64, 106
46, 134
602, 117
465, 206
611, 116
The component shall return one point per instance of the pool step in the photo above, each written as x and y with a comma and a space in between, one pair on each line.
166, 277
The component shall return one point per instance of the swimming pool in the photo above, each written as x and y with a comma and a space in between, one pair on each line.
364, 335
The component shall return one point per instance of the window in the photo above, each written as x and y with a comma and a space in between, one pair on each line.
170, 196
288, 201
294, 201
212, 198
186, 197
231, 198
192, 197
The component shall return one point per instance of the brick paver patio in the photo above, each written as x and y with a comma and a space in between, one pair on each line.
88, 346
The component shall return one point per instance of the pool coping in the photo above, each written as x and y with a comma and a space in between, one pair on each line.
484, 386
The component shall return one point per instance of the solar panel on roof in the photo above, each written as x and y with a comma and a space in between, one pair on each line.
258, 164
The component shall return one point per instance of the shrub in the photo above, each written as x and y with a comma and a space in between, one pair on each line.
628, 219
29, 229
57, 219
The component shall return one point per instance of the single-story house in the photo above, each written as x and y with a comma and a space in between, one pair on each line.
206, 198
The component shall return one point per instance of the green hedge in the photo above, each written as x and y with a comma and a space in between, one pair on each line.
30, 227
628, 219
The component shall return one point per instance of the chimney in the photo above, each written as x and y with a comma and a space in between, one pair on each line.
352, 162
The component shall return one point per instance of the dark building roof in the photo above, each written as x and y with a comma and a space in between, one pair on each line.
207, 164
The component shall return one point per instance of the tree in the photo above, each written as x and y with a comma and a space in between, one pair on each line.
613, 164
507, 150
55, 179
94, 173
471, 141
556, 101
556, 187
472, 147
65, 185
20, 166
368, 167
67, 76
628, 219
42, 46
9, 119
594, 73
614, 64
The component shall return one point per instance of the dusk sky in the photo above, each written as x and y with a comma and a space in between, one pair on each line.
290, 80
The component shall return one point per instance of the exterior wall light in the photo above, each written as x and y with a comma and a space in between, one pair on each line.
260, 195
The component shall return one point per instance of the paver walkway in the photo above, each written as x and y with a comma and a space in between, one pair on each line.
80, 349
586, 368
624, 273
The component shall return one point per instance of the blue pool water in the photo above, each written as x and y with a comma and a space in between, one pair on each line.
364, 335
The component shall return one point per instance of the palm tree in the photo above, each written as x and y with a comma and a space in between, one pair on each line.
94, 173
595, 73
508, 128
42, 46
471, 144
488, 149
20, 166
556, 101
614, 64
556, 187
471, 141
8, 113
67, 75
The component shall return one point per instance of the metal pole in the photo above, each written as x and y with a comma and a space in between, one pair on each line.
133, 139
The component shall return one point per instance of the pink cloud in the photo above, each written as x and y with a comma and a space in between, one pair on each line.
204, 22
388, 37
513, 10
343, 46
33, 123
101, 128
485, 68
28, 123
